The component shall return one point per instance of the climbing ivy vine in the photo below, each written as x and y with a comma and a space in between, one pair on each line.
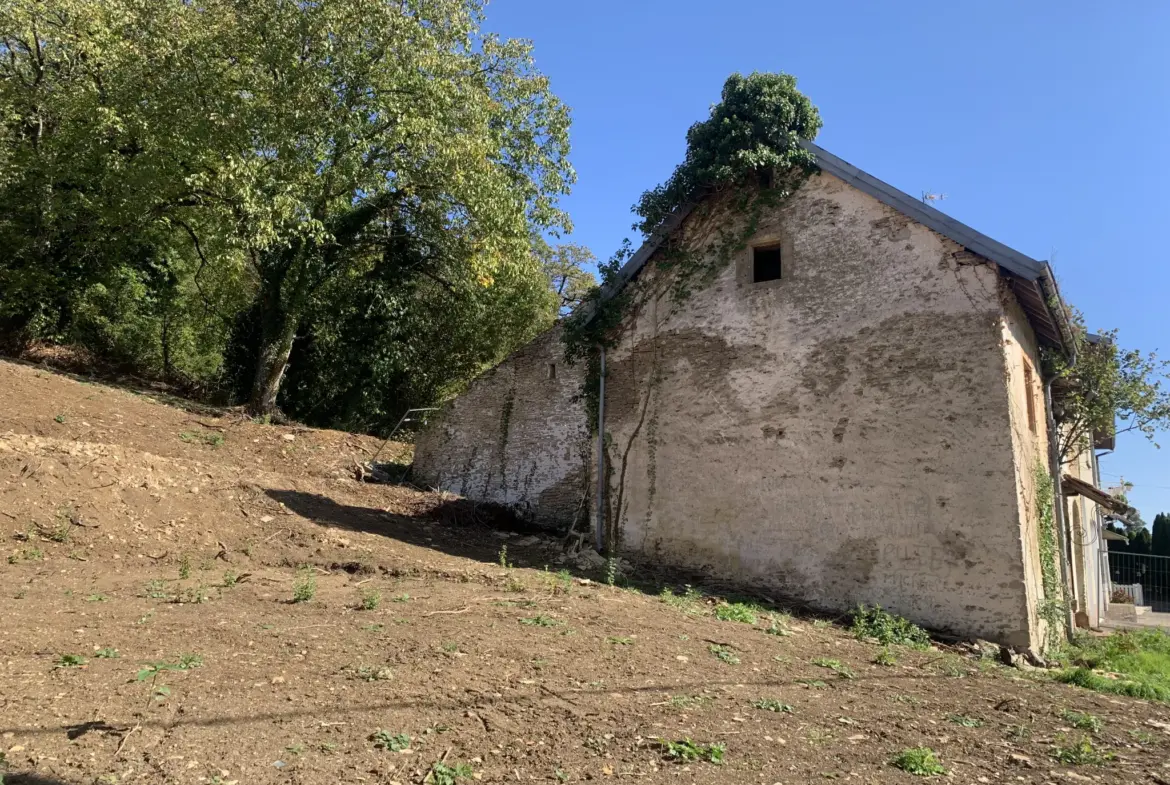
1053, 606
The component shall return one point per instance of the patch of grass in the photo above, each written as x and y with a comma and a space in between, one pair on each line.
688, 701
770, 704
108, 653
202, 437
723, 654
295, 749
689, 602
157, 590
1082, 721
27, 554
836, 666
541, 620
620, 640
97, 598
920, 761
885, 657
687, 751
515, 585
449, 774
449, 646
1141, 736
965, 721
394, 742
886, 628
230, 579
1140, 660
371, 599
404, 597
184, 567
70, 661
735, 611
304, 584
821, 624
908, 699
373, 627
812, 684
1080, 752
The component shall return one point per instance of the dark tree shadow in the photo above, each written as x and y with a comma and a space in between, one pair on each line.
28, 778
457, 527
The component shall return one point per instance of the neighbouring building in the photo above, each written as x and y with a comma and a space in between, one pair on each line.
848, 410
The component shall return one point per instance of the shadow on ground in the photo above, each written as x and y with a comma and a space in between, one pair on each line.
18, 778
457, 527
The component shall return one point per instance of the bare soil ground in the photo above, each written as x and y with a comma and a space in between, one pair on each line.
135, 532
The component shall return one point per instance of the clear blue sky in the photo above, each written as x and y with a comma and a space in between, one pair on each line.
1046, 124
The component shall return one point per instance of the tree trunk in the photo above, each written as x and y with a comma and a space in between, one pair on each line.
278, 328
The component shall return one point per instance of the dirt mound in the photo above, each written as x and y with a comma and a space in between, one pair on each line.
190, 598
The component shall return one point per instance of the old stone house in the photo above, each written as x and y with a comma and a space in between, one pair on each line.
848, 410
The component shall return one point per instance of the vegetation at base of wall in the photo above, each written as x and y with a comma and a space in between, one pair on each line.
1052, 607
1131, 662
874, 623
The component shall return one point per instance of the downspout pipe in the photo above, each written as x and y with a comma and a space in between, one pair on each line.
599, 533
1058, 504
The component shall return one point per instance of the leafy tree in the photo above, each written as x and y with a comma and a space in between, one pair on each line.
301, 139
1108, 389
565, 267
1160, 540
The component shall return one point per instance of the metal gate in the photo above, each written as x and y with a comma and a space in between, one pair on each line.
1145, 577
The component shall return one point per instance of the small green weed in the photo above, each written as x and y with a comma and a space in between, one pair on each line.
611, 570
444, 774
620, 640
184, 567
107, 653
812, 684
688, 701
157, 590
202, 437
502, 557
304, 584
1082, 721
394, 742
778, 624
1080, 752
373, 627
402, 597
541, 620
735, 611
449, 646
885, 657
921, 761
836, 666
59, 419
689, 602
910, 700
230, 579
371, 599
70, 661
295, 749
1141, 737
190, 662
965, 721
886, 628
723, 654
770, 704
687, 751
372, 673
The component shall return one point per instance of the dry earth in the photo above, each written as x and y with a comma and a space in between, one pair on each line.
135, 528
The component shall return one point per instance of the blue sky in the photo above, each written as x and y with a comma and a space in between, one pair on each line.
1044, 123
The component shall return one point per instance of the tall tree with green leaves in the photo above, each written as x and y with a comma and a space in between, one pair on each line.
1108, 390
1160, 541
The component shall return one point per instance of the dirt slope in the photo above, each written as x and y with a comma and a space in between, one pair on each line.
173, 537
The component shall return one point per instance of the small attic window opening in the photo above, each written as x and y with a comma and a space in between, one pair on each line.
766, 264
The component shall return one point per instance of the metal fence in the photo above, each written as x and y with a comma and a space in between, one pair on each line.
1151, 573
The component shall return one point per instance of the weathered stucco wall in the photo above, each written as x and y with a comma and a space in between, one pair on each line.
517, 437
842, 435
